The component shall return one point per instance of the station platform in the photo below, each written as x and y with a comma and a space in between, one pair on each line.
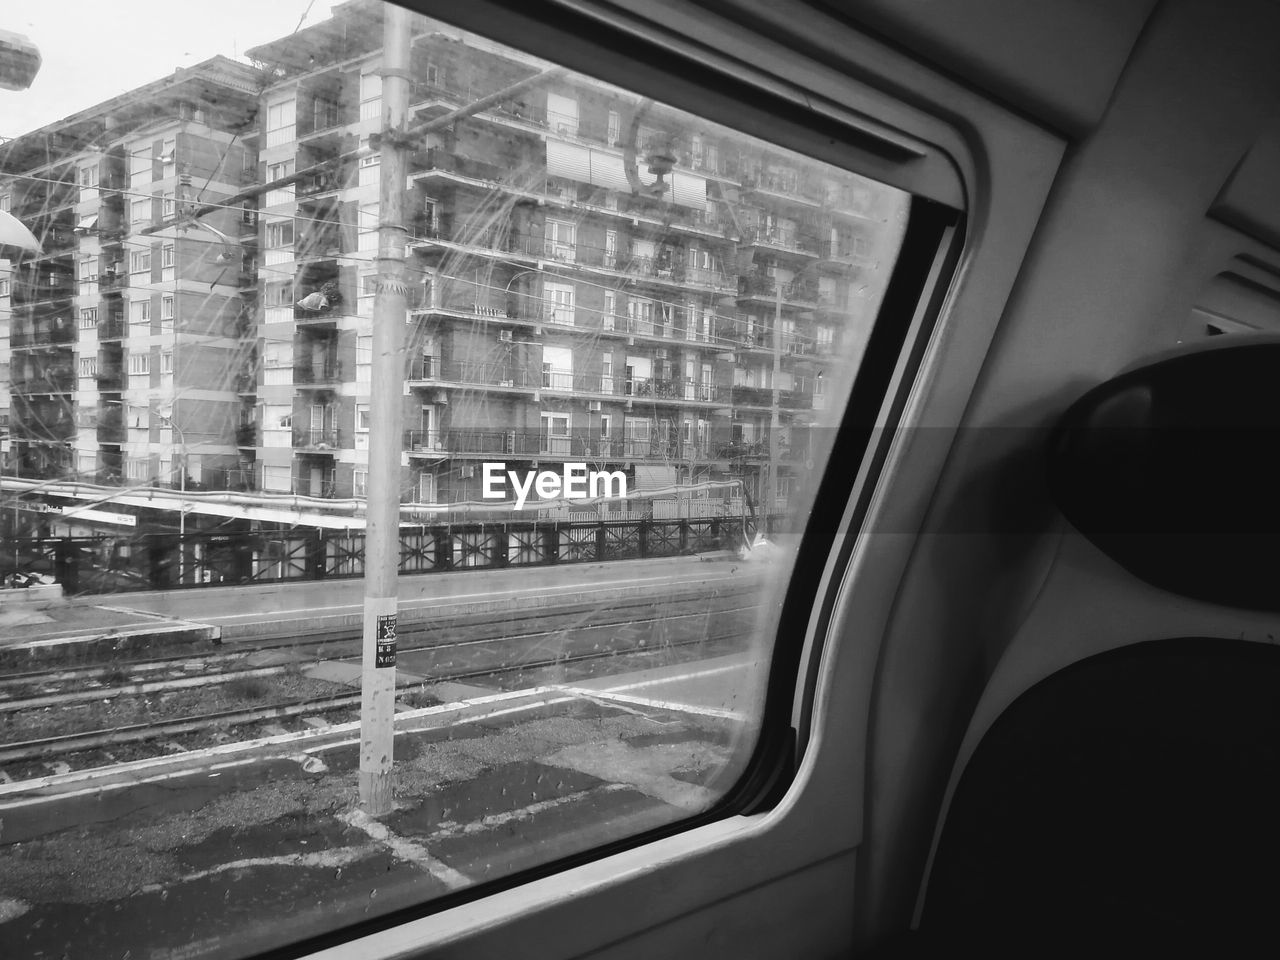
146, 622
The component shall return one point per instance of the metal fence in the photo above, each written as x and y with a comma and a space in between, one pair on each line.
158, 561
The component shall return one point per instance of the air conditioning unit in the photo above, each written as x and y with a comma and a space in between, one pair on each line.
505, 336
593, 406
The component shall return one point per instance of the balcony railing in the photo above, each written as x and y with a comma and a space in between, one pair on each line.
763, 285
418, 441
52, 381
781, 241
42, 334
113, 281
327, 488
430, 369
326, 373
763, 397
784, 185
26, 290
110, 377
584, 444
111, 426
473, 373
315, 438
323, 242
846, 252
112, 328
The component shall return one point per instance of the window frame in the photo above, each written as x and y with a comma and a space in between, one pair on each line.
275, 234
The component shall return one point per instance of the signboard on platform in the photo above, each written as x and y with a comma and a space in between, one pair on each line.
100, 516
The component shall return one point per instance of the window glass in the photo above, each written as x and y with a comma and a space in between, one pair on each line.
628, 334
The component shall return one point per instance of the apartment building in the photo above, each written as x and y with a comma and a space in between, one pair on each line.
123, 335
596, 278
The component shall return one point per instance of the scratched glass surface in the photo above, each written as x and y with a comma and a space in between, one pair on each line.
628, 334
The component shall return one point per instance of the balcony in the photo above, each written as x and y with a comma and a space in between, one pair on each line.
320, 242
112, 328
325, 487
60, 380
674, 390
43, 287
679, 326
111, 378
743, 450
845, 253
438, 161
324, 115
324, 375
761, 286
247, 435
777, 242
431, 370
42, 332
326, 316
111, 425
318, 184
785, 187
113, 280
491, 239
422, 441
576, 445
315, 439
742, 396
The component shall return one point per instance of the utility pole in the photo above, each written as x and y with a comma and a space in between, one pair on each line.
771, 486
382, 536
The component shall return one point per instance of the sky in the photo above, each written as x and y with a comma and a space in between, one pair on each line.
93, 51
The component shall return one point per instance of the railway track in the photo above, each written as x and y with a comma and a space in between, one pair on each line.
575, 640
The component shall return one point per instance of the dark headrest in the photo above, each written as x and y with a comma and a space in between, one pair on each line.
1173, 470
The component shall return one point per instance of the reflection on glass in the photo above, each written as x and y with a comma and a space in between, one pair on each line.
628, 332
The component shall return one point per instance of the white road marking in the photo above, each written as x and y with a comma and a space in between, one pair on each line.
450, 828
339, 857
21, 787
692, 675
673, 705
406, 850
542, 696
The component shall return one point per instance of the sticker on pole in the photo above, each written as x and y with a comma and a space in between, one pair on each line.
385, 637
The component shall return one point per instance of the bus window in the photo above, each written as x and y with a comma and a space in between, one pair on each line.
589, 587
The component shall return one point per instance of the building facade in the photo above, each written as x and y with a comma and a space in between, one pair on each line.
122, 335
595, 278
